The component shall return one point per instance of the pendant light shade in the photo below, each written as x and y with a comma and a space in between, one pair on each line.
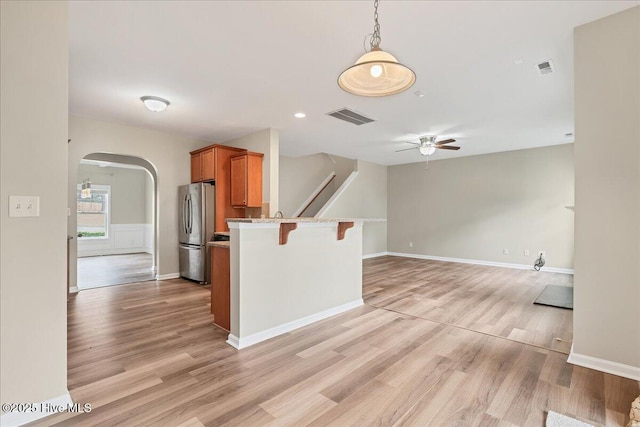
376, 73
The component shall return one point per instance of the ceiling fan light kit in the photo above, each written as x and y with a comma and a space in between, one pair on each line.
428, 145
376, 73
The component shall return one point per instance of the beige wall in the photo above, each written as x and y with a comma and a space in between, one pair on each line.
474, 207
365, 197
267, 142
301, 176
607, 265
129, 191
168, 153
33, 151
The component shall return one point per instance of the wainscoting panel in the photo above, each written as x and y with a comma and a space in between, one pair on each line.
123, 239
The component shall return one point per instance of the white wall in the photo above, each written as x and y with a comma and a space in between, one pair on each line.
364, 197
474, 207
128, 191
131, 205
33, 152
272, 284
607, 264
168, 153
300, 176
267, 142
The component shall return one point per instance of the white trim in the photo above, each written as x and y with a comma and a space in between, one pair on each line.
73, 290
243, 225
240, 343
347, 182
376, 255
101, 252
481, 262
10, 419
168, 276
603, 365
314, 194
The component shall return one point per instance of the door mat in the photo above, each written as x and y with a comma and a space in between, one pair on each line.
555, 419
556, 296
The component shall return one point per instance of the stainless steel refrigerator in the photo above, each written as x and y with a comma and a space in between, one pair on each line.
196, 228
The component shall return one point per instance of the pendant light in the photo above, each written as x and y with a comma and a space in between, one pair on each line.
376, 73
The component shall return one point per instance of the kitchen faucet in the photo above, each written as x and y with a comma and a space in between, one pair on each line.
278, 214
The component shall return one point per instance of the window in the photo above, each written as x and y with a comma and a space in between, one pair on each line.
93, 212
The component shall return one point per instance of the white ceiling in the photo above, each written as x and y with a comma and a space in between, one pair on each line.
230, 68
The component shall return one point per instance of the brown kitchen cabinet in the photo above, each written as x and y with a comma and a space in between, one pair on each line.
246, 180
203, 165
220, 287
213, 163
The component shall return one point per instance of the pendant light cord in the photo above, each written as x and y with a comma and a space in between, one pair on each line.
375, 38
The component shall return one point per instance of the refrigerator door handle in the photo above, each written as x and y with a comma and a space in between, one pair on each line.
184, 214
190, 214
191, 248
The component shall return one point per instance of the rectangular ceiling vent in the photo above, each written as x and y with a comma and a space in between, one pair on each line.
350, 116
545, 67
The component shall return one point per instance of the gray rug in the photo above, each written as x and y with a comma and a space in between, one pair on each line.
555, 419
556, 296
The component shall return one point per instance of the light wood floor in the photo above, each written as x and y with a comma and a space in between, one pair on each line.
148, 355
98, 271
493, 300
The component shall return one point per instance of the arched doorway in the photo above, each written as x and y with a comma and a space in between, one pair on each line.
116, 216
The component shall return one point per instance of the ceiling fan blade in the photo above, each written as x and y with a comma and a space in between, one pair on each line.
411, 142
447, 147
405, 149
446, 141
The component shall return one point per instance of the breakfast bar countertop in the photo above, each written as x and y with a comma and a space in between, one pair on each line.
301, 219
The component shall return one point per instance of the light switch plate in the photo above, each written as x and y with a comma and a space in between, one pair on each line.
24, 206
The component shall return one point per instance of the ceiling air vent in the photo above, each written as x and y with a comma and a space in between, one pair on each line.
545, 67
350, 116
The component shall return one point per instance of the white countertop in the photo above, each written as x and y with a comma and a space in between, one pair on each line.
303, 219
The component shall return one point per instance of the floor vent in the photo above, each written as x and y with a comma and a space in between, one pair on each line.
545, 67
350, 116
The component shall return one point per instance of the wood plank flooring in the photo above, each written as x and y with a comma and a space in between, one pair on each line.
493, 300
98, 271
147, 354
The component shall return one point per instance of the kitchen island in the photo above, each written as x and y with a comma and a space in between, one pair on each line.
289, 272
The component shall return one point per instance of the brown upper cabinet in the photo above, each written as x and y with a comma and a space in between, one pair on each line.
203, 165
246, 180
213, 163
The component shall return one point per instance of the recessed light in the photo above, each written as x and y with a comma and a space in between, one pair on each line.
300, 115
155, 103
518, 61
419, 94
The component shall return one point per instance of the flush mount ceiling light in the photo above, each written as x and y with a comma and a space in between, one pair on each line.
376, 73
155, 103
300, 115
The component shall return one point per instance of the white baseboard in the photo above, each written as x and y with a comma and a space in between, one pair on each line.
43, 409
376, 255
167, 276
481, 262
73, 290
105, 252
602, 365
250, 340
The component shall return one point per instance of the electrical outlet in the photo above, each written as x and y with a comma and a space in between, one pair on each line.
410, 244
526, 252
505, 251
543, 253
23, 206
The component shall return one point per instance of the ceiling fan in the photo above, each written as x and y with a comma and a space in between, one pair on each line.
428, 145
